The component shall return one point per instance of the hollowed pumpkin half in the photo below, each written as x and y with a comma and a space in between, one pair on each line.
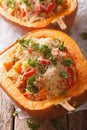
61, 104
61, 20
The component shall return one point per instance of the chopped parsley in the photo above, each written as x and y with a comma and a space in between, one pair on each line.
33, 126
11, 3
45, 50
32, 89
25, 43
30, 85
41, 67
64, 74
32, 62
53, 59
35, 46
67, 62
31, 80
61, 46
27, 2
15, 113
60, 1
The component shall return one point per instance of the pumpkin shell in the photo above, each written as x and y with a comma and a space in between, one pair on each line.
76, 95
68, 18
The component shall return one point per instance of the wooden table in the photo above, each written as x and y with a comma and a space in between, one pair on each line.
73, 121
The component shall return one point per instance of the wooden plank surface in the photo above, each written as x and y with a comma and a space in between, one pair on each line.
6, 111
44, 124
72, 121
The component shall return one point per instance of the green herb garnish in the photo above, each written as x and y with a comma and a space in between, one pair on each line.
31, 80
60, 1
64, 74
33, 126
52, 59
30, 85
41, 67
67, 62
61, 46
32, 62
27, 2
35, 46
84, 35
25, 43
45, 50
11, 3
15, 113
32, 89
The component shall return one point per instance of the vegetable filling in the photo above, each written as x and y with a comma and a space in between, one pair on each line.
42, 68
33, 10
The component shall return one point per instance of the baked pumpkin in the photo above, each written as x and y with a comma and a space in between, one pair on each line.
44, 73
32, 14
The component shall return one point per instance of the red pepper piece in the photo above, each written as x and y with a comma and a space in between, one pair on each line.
27, 75
25, 94
70, 80
50, 7
30, 50
45, 62
23, 13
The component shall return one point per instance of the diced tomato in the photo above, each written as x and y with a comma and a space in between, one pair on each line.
27, 75
45, 62
70, 80
25, 94
50, 7
23, 13
30, 50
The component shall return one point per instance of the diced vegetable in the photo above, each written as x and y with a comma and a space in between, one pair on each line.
70, 80
8, 65
45, 62
17, 67
50, 7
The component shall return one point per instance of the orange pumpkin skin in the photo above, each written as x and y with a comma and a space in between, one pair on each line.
68, 18
51, 108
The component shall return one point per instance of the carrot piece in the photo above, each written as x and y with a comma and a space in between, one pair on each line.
17, 67
42, 94
8, 65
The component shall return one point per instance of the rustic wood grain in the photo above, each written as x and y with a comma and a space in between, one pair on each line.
72, 121
6, 111
22, 124
76, 121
